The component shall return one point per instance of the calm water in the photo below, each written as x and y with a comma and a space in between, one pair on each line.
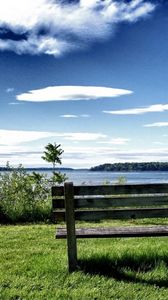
87, 177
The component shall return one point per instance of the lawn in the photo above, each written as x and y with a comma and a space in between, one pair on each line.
34, 266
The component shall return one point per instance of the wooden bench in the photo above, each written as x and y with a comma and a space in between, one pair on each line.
93, 203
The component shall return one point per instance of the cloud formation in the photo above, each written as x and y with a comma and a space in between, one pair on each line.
83, 136
138, 111
157, 124
64, 93
69, 116
22, 147
115, 141
14, 103
16, 137
79, 157
75, 116
55, 27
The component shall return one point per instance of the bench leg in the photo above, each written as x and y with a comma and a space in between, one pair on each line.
70, 224
72, 253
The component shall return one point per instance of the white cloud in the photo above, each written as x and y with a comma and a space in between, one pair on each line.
75, 116
14, 103
138, 111
16, 137
84, 136
84, 116
69, 116
157, 124
54, 27
115, 141
64, 93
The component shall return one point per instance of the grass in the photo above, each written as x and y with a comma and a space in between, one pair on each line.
34, 266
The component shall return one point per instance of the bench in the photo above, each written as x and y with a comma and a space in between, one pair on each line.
94, 203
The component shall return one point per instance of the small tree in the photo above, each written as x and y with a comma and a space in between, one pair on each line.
52, 154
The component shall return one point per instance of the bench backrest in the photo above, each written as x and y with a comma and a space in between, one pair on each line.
92, 203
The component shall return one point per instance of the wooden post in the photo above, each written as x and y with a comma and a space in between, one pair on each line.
70, 224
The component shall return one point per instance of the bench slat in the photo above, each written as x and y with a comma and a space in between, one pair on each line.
136, 213
58, 203
121, 201
121, 189
95, 215
138, 231
115, 201
57, 191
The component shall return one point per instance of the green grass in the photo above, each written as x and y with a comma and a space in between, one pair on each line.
34, 266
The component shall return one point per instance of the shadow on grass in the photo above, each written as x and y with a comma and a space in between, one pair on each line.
128, 268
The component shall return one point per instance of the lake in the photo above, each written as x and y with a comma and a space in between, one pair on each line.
90, 177
99, 177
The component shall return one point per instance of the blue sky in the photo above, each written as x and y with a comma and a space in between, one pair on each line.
89, 75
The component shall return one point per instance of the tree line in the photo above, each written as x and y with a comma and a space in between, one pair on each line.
132, 166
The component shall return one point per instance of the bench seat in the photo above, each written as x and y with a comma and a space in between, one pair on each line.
119, 231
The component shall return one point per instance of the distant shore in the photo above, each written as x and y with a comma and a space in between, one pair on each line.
108, 167
41, 169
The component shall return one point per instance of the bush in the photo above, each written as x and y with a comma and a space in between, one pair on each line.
25, 197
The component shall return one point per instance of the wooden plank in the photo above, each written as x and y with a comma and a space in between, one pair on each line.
95, 215
120, 201
57, 191
99, 202
109, 232
113, 189
70, 226
121, 189
58, 203
134, 213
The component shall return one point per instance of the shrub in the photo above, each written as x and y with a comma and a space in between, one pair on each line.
25, 197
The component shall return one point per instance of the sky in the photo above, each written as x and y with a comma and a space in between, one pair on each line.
90, 75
